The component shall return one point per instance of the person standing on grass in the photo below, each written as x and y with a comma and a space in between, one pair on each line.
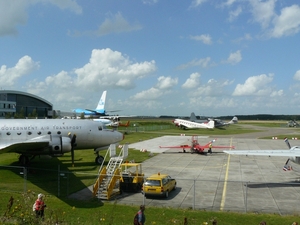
40, 206
140, 217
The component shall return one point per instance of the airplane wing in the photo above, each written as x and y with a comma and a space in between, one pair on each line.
216, 146
286, 153
179, 146
24, 147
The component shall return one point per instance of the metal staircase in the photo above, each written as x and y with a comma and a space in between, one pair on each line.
107, 183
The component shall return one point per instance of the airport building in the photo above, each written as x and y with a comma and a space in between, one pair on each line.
23, 105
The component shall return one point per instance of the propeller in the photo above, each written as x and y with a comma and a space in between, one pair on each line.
73, 144
286, 167
286, 140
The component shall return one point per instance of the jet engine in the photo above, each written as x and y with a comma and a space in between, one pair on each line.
59, 145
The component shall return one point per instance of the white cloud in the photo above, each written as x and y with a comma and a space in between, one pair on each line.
196, 62
24, 66
234, 14
234, 58
255, 85
263, 11
150, 94
196, 3
276, 93
150, 2
297, 75
205, 38
166, 82
192, 82
287, 23
113, 24
12, 14
61, 80
109, 68
229, 2
65, 4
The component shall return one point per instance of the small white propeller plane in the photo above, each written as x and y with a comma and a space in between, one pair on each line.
293, 153
54, 137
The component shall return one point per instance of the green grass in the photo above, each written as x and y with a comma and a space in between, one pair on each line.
43, 177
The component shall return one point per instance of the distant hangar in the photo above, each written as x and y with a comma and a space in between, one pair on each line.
17, 104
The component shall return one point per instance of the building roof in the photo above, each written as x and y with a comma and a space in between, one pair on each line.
26, 94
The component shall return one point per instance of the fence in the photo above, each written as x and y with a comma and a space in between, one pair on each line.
211, 195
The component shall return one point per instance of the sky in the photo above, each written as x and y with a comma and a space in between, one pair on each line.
155, 57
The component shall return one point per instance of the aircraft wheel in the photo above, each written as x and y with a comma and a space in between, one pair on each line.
23, 160
174, 187
99, 159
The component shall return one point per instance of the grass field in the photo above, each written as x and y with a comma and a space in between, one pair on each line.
56, 178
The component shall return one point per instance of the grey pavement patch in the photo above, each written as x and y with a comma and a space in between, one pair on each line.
220, 182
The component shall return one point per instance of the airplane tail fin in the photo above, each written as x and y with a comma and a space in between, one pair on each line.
193, 117
234, 120
124, 125
101, 103
211, 124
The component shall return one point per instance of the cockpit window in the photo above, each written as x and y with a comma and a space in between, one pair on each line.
100, 128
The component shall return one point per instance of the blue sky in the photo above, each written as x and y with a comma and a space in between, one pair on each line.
154, 57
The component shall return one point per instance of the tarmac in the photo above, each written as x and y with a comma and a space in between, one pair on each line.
221, 182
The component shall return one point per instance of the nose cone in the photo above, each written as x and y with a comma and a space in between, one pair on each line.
119, 136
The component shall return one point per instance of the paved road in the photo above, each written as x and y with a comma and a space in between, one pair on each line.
221, 182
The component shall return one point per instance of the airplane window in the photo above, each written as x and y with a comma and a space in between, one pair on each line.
58, 132
29, 133
49, 132
8, 133
39, 133
19, 133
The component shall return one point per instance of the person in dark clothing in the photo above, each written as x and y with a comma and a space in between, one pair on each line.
141, 218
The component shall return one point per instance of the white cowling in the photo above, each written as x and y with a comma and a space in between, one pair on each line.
59, 145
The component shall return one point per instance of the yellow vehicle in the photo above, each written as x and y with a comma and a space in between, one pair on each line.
131, 177
159, 184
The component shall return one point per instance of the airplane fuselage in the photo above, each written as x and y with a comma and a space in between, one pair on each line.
89, 134
193, 125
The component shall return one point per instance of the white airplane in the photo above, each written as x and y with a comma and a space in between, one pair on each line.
293, 153
54, 137
186, 124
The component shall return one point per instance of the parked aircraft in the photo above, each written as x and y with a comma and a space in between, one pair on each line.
293, 153
195, 147
293, 123
119, 124
32, 137
99, 111
186, 124
218, 123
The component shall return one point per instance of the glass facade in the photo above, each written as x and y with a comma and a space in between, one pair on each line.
22, 105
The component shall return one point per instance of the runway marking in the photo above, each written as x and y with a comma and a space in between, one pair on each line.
225, 182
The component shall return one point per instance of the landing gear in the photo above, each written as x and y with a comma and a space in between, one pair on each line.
23, 160
99, 159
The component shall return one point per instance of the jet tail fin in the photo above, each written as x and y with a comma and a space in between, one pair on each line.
234, 120
101, 103
193, 117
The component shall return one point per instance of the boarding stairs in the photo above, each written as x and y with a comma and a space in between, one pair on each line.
107, 183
